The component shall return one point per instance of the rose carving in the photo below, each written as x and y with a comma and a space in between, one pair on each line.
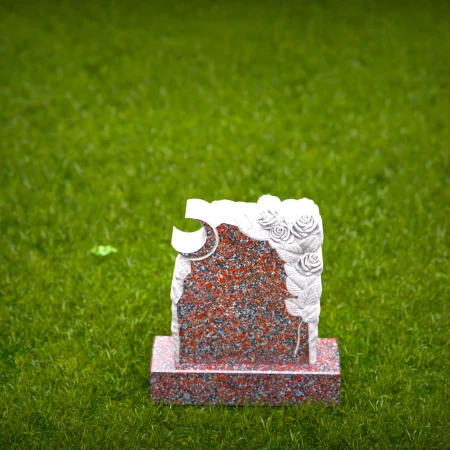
297, 241
268, 219
304, 226
309, 264
280, 234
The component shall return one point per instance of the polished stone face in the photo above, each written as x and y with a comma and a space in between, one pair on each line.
232, 309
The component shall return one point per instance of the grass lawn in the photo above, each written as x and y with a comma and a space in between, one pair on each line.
112, 114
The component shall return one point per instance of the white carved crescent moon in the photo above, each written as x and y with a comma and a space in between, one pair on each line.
184, 242
192, 242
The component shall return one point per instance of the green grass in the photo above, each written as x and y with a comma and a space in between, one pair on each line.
112, 114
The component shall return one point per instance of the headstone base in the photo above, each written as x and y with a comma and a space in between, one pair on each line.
274, 384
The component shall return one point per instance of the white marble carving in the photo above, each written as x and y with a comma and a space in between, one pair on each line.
292, 227
182, 269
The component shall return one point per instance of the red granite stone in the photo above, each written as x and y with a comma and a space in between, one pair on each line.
237, 304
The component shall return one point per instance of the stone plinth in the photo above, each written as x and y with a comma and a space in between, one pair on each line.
238, 384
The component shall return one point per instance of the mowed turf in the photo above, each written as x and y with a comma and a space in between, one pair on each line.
112, 114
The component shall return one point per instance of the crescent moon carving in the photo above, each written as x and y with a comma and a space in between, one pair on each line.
207, 237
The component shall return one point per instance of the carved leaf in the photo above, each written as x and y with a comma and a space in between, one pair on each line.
290, 271
313, 293
249, 226
294, 248
176, 293
320, 236
287, 256
311, 313
181, 271
301, 299
310, 244
293, 306
244, 223
297, 282
295, 287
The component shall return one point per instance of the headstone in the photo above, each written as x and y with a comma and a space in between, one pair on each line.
245, 309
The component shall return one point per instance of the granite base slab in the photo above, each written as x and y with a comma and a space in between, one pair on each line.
274, 384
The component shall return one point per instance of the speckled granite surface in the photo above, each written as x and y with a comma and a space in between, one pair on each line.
232, 308
230, 384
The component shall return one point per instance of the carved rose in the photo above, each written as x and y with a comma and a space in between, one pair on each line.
304, 226
268, 219
280, 234
309, 264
